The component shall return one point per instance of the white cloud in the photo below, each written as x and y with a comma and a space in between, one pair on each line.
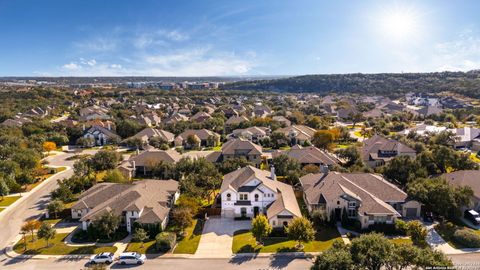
97, 44
461, 54
71, 66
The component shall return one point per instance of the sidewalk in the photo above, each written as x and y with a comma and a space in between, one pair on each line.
438, 243
343, 233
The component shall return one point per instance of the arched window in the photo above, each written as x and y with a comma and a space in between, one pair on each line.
256, 197
229, 196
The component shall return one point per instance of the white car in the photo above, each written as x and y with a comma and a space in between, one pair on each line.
105, 257
131, 258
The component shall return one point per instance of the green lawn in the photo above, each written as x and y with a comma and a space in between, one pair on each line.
244, 242
189, 243
342, 145
358, 134
6, 201
57, 247
148, 247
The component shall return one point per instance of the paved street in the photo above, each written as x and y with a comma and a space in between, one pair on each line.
12, 219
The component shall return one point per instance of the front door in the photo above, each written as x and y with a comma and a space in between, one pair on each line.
338, 214
243, 212
255, 211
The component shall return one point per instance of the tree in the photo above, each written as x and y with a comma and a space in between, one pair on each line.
82, 167
401, 257
323, 139
46, 232
440, 197
417, 232
351, 155
231, 164
105, 160
63, 192
107, 224
277, 140
403, 169
55, 207
183, 218
31, 226
4, 190
337, 257
136, 143
260, 228
85, 142
301, 230
193, 141
49, 146
114, 176
140, 235
128, 128
371, 251
192, 203
283, 164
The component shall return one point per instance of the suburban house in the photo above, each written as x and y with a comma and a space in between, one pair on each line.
297, 134
248, 192
17, 121
366, 197
144, 161
101, 136
242, 148
377, 150
467, 137
282, 120
469, 178
146, 202
254, 134
146, 134
204, 136
93, 113
149, 119
236, 120
175, 118
200, 117
308, 155
261, 111
423, 129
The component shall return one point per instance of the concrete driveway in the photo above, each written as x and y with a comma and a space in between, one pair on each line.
217, 237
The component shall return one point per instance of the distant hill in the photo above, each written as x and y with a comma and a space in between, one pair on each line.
389, 84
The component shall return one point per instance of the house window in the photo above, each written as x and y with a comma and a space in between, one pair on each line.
351, 213
338, 202
229, 196
352, 204
273, 223
256, 197
243, 197
370, 217
243, 211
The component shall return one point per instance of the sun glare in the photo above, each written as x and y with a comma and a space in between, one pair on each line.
399, 24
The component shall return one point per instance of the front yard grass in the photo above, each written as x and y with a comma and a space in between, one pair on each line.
148, 247
407, 241
244, 242
474, 158
6, 201
189, 243
57, 247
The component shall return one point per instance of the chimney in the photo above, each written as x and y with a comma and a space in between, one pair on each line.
324, 169
272, 173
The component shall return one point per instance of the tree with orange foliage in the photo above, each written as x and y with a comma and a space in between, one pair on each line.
49, 146
31, 226
323, 139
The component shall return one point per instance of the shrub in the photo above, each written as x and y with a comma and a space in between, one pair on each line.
447, 229
401, 226
467, 238
165, 241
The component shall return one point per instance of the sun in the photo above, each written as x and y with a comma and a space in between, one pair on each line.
399, 23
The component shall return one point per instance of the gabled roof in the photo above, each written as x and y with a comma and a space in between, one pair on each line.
285, 196
372, 191
104, 131
202, 134
151, 196
300, 131
309, 154
150, 157
378, 143
236, 120
469, 178
148, 133
231, 146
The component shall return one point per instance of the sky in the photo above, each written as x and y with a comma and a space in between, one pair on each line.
236, 38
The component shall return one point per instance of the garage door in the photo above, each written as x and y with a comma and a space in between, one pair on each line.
411, 212
228, 213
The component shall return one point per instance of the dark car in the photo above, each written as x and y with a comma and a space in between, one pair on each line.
472, 216
428, 217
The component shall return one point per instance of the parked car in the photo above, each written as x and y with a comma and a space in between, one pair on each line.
472, 216
105, 257
131, 258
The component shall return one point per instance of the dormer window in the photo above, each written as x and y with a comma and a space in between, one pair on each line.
352, 204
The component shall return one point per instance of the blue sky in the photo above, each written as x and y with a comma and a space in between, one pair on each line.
221, 38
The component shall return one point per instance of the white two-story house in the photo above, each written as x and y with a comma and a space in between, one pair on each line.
248, 192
